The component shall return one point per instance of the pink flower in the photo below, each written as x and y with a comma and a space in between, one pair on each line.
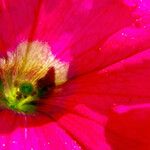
91, 59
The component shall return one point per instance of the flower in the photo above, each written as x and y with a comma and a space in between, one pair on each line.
74, 74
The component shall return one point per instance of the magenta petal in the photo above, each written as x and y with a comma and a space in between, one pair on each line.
108, 41
126, 82
96, 100
129, 130
33, 132
17, 19
77, 29
89, 133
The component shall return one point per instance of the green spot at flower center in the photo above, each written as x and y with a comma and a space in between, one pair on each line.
26, 88
21, 98
1, 86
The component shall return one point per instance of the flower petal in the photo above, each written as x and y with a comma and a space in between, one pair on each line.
90, 101
76, 30
88, 133
17, 19
33, 132
129, 130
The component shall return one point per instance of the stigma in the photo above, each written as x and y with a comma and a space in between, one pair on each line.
27, 73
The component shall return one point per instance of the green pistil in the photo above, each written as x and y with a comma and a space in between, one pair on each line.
23, 98
1, 86
26, 88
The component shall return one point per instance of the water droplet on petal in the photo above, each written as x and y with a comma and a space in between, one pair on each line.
13, 142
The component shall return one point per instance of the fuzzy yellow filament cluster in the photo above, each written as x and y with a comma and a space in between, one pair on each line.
26, 65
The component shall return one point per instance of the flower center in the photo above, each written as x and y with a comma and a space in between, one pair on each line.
26, 89
25, 76
21, 98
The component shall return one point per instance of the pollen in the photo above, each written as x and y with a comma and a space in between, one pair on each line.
21, 72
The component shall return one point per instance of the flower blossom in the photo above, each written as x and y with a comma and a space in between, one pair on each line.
74, 74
